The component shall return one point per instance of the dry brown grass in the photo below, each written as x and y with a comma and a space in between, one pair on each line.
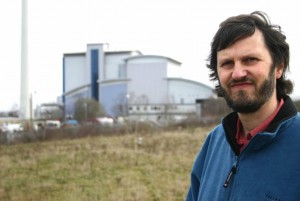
103, 168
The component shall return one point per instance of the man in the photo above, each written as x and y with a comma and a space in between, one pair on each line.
253, 155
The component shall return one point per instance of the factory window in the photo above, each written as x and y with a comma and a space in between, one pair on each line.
122, 70
155, 108
182, 100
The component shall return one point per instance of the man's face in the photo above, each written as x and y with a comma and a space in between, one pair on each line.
245, 73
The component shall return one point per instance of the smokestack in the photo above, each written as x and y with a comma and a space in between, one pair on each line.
24, 98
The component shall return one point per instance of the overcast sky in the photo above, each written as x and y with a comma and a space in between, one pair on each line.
179, 29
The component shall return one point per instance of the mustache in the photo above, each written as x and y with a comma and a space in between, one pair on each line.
243, 80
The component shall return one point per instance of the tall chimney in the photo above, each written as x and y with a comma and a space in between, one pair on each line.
24, 97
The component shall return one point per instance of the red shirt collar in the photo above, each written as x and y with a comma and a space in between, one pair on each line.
243, 140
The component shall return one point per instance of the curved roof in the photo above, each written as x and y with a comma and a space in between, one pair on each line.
124, 52
152, 56
191, 81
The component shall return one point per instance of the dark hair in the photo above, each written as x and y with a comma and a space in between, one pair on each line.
239, 27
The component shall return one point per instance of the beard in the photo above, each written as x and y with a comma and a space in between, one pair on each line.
243, 103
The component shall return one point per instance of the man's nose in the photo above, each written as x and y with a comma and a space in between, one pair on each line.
239, 72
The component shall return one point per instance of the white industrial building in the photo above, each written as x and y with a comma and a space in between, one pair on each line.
128, 83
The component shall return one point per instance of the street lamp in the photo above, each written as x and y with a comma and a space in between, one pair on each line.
85, 110
127, 104
31, 110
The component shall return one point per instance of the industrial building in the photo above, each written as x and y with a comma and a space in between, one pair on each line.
130, 84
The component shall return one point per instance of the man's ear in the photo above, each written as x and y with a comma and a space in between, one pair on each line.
279, 71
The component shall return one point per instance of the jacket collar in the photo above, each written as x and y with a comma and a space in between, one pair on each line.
230, 121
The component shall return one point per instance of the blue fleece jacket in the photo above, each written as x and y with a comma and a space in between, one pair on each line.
268, 169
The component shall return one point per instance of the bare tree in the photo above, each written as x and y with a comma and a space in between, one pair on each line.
215, 108
49, 111
297, 103
142, 100
87, 109
121, 103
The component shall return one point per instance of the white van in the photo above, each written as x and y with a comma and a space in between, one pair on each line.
52, 124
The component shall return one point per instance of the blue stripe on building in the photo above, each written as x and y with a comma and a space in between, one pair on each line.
94, 74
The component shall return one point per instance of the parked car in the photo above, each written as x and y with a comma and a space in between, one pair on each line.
52, 124
12, 127
70, 123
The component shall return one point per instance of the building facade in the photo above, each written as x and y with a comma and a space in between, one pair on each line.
130, 84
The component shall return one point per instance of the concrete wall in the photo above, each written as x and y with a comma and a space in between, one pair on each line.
74, 66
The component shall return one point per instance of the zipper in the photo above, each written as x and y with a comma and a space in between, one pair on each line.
231, 173
234, 166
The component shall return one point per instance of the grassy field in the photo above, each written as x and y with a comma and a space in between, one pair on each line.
132, 167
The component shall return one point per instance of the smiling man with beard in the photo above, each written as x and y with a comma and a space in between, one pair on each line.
253, 154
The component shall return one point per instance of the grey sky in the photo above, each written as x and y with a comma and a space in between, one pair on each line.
180, 29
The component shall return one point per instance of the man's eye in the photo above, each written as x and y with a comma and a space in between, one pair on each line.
227, 64
250, 60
